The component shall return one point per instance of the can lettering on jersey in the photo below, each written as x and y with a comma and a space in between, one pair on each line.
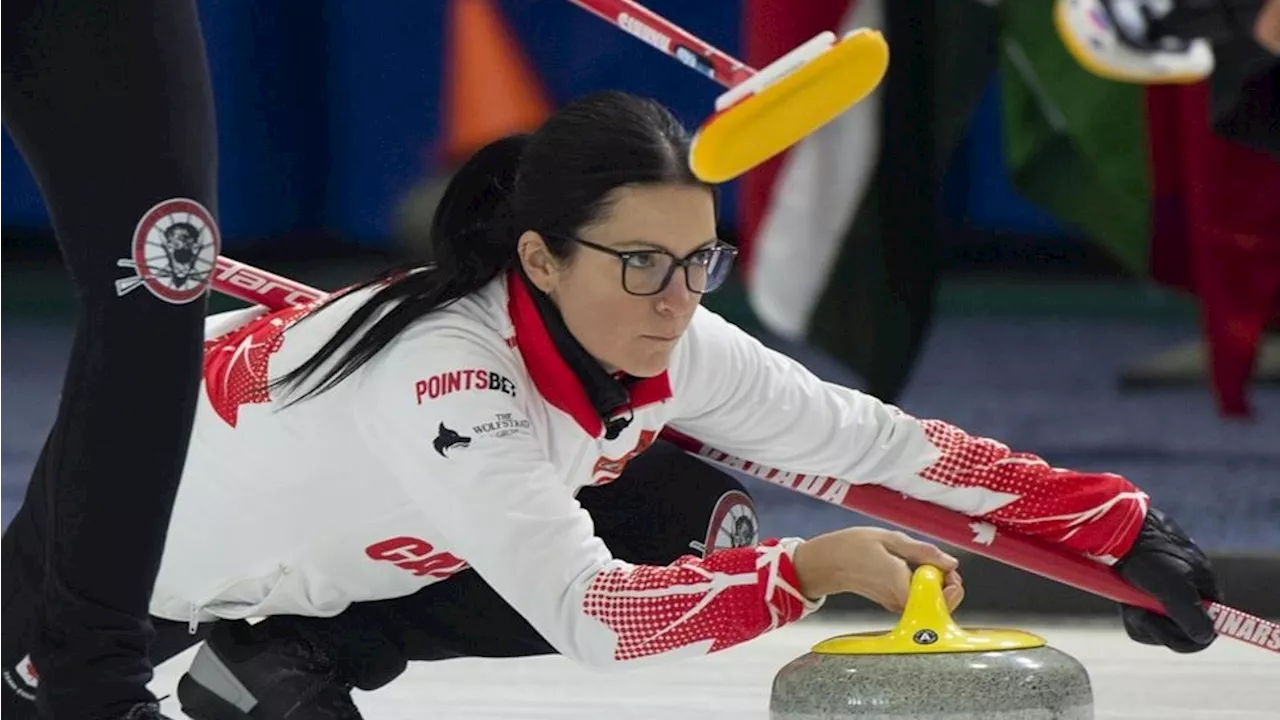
453, 381
416, 556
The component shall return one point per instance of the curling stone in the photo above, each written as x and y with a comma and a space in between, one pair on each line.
929, 668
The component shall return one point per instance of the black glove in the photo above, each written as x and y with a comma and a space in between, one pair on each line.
1165, 563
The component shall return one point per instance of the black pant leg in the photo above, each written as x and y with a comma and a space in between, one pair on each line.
22, 566
111, 106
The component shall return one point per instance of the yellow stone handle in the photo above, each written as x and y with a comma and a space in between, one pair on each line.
926, 610
926, 626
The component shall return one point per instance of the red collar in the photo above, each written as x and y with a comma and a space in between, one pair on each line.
552, 375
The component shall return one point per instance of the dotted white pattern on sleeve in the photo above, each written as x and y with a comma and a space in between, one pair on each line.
728, 598
1094, 514
235, 364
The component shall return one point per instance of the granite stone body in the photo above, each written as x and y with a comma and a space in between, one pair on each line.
1039, 683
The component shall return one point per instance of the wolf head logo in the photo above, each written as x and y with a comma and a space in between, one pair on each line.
448, 439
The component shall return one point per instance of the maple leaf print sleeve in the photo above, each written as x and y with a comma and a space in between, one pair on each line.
473, 461
742, 398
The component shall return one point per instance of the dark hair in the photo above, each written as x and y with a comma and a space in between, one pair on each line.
555, 181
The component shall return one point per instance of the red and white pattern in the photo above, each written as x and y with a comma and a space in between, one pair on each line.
1094, 514
235, 364
728, 598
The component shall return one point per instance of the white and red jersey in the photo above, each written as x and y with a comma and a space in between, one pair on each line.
464, 441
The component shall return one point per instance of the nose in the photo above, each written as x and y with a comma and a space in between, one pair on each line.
677, 298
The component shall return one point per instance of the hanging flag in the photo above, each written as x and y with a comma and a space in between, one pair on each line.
841, 236
1075, 143
1217, 234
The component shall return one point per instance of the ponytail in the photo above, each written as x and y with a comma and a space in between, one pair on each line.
472, 242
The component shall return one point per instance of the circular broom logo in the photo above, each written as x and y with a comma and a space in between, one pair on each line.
733, 523
175, 248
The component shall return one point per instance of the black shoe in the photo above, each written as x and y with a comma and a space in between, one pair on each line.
244, 673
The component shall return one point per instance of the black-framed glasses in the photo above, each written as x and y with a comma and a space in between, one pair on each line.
649, 272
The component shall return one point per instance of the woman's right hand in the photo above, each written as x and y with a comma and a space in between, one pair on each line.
872, 562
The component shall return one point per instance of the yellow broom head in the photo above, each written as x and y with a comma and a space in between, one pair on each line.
786, 101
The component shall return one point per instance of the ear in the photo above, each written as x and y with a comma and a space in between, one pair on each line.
538, 262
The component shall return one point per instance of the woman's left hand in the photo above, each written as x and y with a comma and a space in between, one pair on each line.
1167, 564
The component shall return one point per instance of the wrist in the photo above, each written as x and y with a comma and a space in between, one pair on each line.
811, 571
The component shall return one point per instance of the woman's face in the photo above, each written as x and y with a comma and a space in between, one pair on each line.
625, 332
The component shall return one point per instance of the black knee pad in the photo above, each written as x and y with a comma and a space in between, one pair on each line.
727, 509
668, 503
733, 523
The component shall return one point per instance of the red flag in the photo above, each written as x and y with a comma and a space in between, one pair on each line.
772, 28
1216, 232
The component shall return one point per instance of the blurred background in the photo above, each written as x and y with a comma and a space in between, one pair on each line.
1076, 267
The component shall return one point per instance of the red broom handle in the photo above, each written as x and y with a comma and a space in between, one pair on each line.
635, 19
